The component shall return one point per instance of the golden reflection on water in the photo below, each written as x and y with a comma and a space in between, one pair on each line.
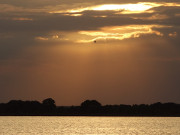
89, 125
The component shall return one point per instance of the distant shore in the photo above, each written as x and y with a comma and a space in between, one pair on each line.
87, 108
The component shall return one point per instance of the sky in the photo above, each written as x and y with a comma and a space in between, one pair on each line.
115, 51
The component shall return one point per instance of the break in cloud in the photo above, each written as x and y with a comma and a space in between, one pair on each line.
47, 47
44, 20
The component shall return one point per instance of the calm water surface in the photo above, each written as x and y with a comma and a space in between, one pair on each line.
89, 125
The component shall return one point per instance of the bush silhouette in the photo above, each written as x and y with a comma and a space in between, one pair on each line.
49, 105
90, 104
49, 102
87, 108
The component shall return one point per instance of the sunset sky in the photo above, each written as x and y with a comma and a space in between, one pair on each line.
114, 51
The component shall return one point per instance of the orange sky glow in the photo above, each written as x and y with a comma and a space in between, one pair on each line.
117, 52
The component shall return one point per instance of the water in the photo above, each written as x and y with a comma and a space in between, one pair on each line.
89, 125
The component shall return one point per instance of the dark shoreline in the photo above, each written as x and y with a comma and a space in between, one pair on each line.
88, 108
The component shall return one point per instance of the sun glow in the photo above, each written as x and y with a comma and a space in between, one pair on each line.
130, 7
133, 8
106, 34
123, 8
120, 32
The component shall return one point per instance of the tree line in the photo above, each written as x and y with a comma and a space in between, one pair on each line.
87, 108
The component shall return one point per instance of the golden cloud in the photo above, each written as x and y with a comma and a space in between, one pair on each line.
140, 7
120, 32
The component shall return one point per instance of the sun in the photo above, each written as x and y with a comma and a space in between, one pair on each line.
128, 7
139, 7
125, 8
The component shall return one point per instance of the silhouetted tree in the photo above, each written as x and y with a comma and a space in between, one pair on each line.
90, 104
49, 104
91, 107
19, 107
87, 108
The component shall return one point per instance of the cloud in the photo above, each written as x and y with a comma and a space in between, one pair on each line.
120, 32
31, 21
48, 44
